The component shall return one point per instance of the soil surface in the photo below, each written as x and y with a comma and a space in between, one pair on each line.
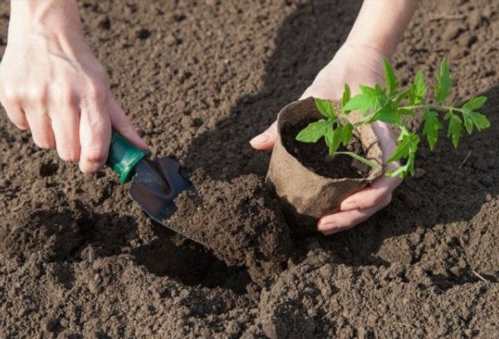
78, 259
315, 156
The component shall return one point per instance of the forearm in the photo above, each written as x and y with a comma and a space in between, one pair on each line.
381, 23
58, 17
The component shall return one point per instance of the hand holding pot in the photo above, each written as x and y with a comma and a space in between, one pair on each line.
354, 65
51, 83
374, 36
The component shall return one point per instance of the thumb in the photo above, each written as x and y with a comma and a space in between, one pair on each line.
265, 141
124, 126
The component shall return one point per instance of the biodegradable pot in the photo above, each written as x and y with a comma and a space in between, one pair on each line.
306, 195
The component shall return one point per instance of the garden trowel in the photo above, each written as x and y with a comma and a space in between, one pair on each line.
155, 183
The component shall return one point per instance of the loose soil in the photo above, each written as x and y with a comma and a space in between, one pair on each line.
79, 260
315, 156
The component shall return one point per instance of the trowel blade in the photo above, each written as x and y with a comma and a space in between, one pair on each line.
155, 186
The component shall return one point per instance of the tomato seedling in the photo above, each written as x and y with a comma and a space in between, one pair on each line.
396, 106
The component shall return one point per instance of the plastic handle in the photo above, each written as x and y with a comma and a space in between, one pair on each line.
123, 156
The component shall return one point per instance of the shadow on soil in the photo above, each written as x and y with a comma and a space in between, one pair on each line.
188, 262
306, 41
452, 186
74, 235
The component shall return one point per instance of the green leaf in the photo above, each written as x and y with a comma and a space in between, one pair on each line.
333, 140
431, 127
390, 79
475, 103
444, 82
468, 122
388, 113
407, 145
480, 121
347, 94
346, 134
325, 108
455, 129
474, 119
417, 91
363, 102
314, 131
406, 149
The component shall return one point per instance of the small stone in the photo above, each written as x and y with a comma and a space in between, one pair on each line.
180, 106
186, 122
456, 270
171, 40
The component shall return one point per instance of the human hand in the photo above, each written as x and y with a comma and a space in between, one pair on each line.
355, 65
51, 83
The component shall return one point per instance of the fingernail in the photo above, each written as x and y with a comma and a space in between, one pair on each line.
260, 139
348, 204
326, 227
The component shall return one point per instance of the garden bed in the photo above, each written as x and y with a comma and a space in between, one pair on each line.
79, 260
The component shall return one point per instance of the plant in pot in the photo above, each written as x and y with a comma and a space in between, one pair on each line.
327, 150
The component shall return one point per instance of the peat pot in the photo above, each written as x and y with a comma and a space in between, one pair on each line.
304, 194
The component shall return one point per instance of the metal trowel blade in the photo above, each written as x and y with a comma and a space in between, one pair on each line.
155, 186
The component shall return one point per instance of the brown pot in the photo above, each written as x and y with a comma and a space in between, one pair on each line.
306, 195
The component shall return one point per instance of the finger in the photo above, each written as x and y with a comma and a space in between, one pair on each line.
265, 141
123, 125
342, 221
372, 195
95, 136
66, 131
41, 129
15, 113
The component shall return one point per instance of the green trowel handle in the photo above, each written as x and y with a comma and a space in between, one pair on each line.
123, 156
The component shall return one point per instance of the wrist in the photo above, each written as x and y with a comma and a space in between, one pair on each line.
367, 49
382, 46
57, 18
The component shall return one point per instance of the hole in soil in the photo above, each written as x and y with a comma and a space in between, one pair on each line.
143, 34
190, 263
48, 169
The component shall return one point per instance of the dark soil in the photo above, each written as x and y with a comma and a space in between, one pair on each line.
243, 227
315, 156
78, 259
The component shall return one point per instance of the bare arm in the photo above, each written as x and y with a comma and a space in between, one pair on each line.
51, 83
381, 23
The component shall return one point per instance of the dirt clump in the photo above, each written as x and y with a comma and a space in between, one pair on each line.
239, 221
